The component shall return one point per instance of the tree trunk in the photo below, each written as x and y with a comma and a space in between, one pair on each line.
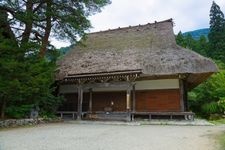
28, 23
3, 106
47, 29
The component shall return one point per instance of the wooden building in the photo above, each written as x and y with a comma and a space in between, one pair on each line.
128, 72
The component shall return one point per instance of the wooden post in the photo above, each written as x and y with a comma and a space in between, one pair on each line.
90, 100
181, 86
128, 104
134, 98
185, 95
78, 104
133, 101
128, 99
80, 101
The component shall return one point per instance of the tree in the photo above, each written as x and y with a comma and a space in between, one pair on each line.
34, 20
186, 41
26, 64
209, 97
190, 42
202, 46
180, 39
217, 33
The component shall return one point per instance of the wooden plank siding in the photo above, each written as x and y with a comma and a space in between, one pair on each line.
158, 100
149, 100
103, 99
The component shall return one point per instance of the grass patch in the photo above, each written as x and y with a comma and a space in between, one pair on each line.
217, 122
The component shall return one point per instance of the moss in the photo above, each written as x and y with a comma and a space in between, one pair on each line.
217, 122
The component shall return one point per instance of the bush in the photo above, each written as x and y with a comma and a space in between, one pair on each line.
210, 108
209, 97
17, 112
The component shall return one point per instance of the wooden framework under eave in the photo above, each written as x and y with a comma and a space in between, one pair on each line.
123, 79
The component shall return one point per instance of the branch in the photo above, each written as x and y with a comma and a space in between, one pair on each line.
40, 4
40, 20
39, 25
17, 28
13, 12
9, 10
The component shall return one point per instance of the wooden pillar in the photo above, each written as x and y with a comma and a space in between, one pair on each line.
128, 102
181, 86
128, 99
133, 102
133, 98
80, 101
90, 100
185, 95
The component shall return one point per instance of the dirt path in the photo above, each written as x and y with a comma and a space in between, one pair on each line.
69, 136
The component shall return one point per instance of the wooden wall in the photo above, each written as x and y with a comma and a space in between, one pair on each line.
158, 100
148, 100
104, 99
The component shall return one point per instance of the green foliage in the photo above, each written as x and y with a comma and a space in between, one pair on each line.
218, 122
220, 64
180, 39
21, 111
68, 18
210, 108
27, 59
221, 104
208, 98
27, 81
200, 46
217, 33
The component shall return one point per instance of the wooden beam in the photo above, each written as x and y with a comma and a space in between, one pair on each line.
90, 100
124, 84
181, 86
121, 84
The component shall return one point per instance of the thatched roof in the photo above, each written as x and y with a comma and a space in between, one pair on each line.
150, 48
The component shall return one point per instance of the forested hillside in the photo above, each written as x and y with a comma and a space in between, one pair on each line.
196, 34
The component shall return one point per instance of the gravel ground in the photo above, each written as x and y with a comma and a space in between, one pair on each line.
69, 136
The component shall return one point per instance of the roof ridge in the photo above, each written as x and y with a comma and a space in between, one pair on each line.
127, 27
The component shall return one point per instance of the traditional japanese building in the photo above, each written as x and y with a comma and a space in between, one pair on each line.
127, 72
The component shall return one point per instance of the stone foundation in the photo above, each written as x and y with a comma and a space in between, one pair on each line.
25, 122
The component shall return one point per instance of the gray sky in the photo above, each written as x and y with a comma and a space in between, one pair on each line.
187, 14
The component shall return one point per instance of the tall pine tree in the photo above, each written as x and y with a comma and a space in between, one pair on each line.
27, 63
217, 33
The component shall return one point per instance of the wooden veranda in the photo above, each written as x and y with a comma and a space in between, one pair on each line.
123, 80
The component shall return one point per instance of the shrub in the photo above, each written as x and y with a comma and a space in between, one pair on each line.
17, 112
